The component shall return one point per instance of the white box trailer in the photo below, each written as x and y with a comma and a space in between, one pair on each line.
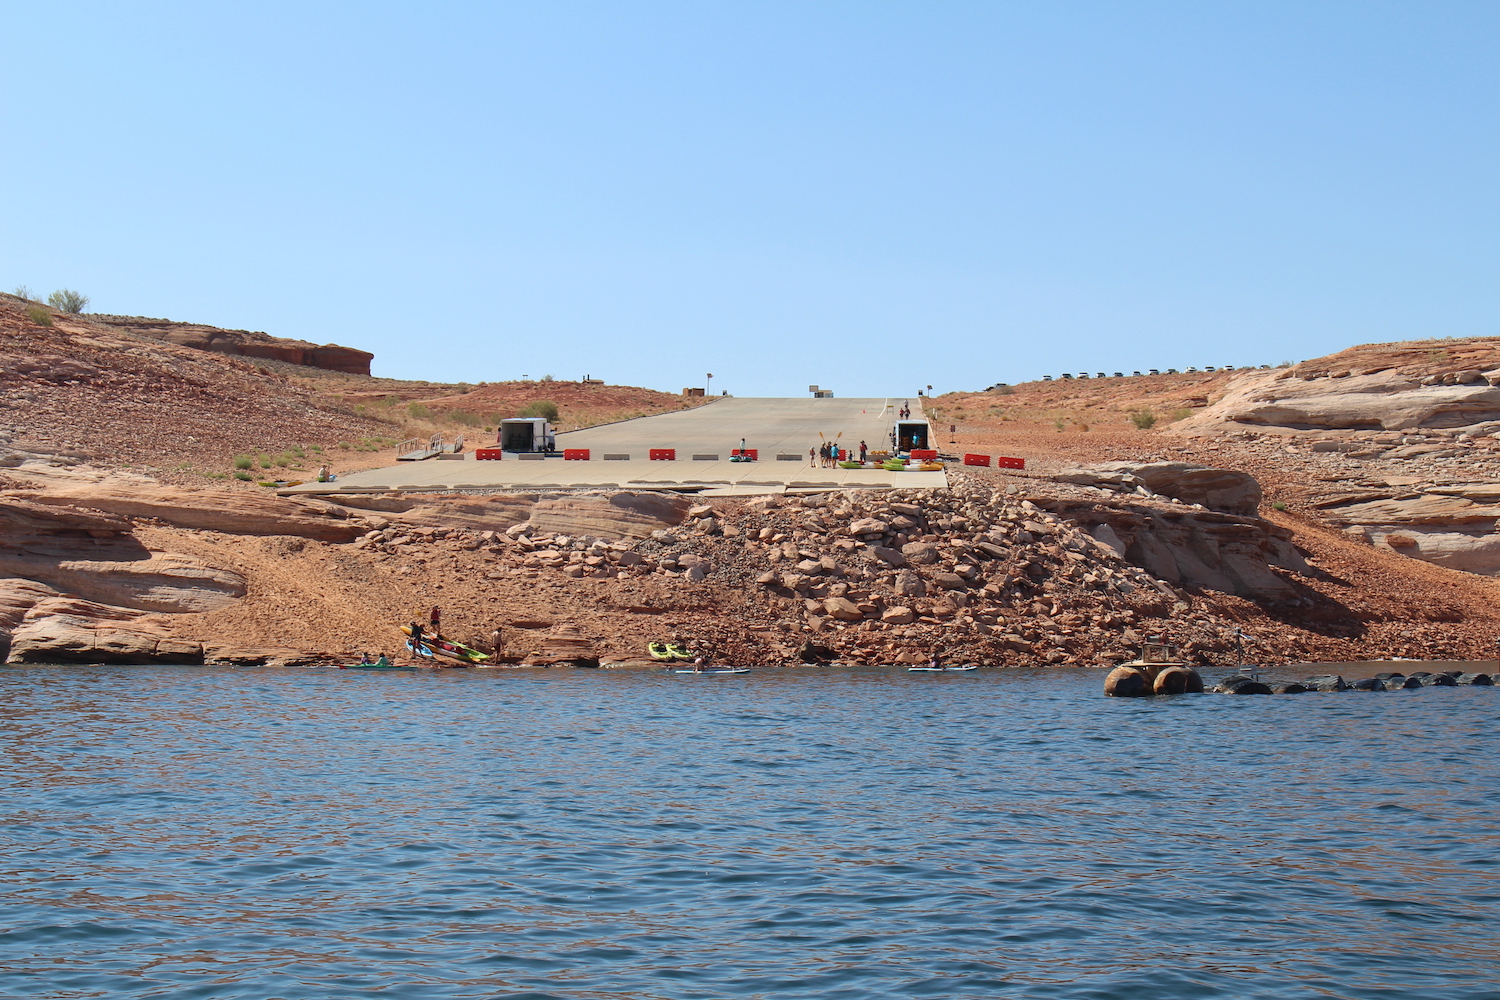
526, 434
909, 434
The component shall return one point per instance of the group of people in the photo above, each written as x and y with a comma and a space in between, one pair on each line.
366, 660
905, 411
830, 453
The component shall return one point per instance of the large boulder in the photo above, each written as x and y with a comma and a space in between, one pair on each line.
471, 513
1225, 490
122, 572
1386, 400
235, 512
1224, 552
16, 598
623, 515
70, 630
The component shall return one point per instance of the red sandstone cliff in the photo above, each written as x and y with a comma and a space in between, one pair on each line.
245, 342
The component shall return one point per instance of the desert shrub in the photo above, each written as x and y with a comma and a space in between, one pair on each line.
418, 411
1058, 423
541, 408
40, 315
548, 378
317, 448
1144, 420
466, 418
281, 461
265, 461
297, 450
342, 446
464, 387
68, 301
22, 292
243, 461
243, 476
1181, 414
1278, 505
1003, 390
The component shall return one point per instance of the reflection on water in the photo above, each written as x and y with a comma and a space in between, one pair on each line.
176, 833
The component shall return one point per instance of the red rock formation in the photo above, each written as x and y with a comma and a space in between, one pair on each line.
247, 343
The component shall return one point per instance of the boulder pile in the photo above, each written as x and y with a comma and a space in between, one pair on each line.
977, 573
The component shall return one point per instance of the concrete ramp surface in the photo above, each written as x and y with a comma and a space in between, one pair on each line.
780, 430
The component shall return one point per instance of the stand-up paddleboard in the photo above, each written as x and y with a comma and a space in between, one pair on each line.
715, 670
447, 647
418, 648
376, 666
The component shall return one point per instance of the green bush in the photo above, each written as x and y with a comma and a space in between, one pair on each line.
243, 476
342, 446
418, 411
1278, 505
68, 301
243, 461
548, 378
40, 315
541, 408
1144, 420
22, 292
265, 461
1181, 414
466, 418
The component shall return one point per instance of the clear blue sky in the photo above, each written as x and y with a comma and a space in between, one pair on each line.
869, 196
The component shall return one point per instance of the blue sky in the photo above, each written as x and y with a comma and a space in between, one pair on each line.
868, 196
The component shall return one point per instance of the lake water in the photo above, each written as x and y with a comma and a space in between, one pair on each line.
256, 833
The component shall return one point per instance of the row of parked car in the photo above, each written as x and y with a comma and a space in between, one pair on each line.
1154, 371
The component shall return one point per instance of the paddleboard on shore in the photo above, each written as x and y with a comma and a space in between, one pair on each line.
448, 647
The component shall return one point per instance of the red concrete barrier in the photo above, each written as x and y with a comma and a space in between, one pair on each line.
488, 454
983, 460
663, 454
924, 454
753, 454
1001, 462
575, 454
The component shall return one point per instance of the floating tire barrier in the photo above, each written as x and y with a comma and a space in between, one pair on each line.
1133, 682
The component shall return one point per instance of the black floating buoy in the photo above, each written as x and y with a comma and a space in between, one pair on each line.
1242, 685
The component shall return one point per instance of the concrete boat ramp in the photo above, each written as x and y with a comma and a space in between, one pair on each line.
781, 430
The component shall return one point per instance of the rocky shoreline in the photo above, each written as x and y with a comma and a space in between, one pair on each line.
103, 566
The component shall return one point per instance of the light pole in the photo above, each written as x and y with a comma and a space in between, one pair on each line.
708, 386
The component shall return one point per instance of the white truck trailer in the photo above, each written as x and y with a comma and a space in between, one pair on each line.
526, 434
909, 434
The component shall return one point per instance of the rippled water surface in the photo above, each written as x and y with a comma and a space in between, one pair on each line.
224, 833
